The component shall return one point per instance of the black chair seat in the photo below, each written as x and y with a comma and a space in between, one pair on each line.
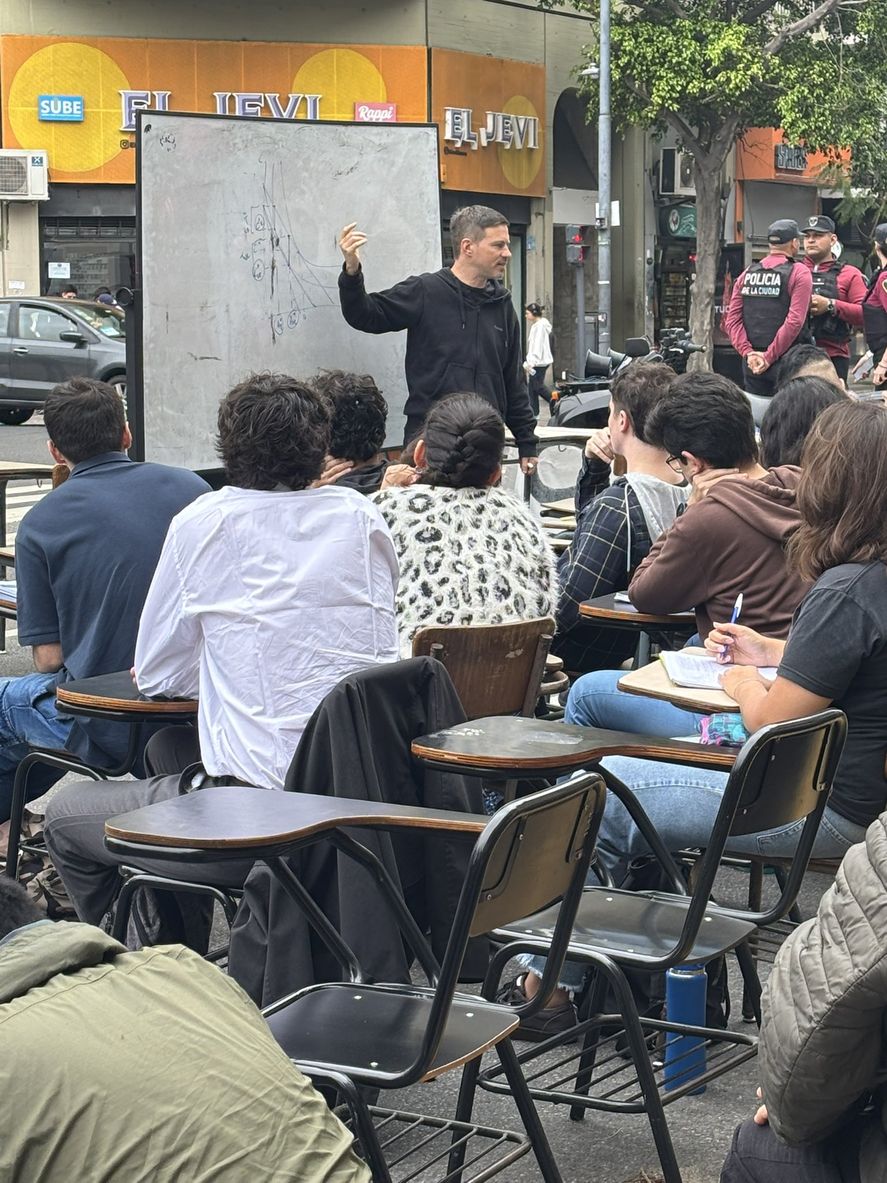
373, 1031
632, 926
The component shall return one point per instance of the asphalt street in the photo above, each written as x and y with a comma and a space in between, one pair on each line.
26, 442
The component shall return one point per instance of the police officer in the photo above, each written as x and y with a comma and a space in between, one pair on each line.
838, 292
874, 309
769, 308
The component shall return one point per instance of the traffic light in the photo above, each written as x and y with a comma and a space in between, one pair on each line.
575, 245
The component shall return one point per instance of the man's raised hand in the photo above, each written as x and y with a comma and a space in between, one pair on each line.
350, 241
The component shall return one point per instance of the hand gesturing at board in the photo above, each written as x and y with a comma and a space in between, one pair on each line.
350, 242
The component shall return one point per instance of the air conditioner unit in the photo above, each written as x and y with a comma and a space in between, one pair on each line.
676, 173
24, 175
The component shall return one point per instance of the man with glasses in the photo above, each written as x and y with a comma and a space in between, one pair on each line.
729, 539
838, 292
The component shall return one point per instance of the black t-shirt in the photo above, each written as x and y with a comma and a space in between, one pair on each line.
837, 648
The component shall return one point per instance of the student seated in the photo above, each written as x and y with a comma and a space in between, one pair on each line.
790, 416
267, 593
730, 539
835, 654
145, 1065
617, 518
84, 558
469, 553
357, 429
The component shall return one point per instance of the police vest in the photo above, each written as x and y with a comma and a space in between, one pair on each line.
765, 301
828, 326
874, 317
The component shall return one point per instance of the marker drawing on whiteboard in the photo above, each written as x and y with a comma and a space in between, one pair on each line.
295, 284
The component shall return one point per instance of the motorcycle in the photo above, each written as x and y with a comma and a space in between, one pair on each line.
584, 402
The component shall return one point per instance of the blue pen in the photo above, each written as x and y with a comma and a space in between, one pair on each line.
737, 608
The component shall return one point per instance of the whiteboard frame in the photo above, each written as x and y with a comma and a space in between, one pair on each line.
135, 388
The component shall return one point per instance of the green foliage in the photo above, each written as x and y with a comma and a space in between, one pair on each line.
706, 68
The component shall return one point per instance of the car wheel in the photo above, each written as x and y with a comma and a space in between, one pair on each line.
118, 381
12, 416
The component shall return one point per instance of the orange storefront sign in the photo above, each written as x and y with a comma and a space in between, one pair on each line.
114, 77
491, 114
763, 155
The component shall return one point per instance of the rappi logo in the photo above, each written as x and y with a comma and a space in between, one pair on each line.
375, 112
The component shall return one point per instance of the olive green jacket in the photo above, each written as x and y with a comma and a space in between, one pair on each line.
148, 1066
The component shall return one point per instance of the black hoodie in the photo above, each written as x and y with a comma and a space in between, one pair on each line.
459, 338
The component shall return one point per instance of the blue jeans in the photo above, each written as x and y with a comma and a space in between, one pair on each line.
28, 717
682, 803
596, 701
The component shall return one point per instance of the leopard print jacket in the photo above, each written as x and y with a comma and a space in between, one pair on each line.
467, 556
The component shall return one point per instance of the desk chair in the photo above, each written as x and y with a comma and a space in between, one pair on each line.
782, 774
353, 1033
389, 1037
497, 669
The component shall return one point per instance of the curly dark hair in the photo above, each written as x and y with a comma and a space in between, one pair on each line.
359, 414
273, 430
464, 438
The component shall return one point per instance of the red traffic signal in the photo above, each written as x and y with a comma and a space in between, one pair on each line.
575, 236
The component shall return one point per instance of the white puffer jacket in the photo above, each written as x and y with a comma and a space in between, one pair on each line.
824, 1036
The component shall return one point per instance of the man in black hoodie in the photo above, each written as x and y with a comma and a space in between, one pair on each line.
462, 330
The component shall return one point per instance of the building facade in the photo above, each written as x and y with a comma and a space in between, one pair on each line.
497, 79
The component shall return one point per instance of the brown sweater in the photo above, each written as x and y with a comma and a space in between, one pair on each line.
730, 542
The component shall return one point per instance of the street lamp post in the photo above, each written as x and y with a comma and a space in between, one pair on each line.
604, 184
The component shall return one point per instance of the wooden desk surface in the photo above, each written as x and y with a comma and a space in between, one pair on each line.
608, 608
566, 505
18, 470
538, 745
238, 817
118, 692
651, 681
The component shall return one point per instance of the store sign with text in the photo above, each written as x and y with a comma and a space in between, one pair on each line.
512, 131
491, 114
88, 135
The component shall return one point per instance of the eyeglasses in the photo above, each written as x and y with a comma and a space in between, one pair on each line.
676, 463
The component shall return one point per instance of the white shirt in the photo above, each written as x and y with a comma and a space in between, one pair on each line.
539, 344
260, 604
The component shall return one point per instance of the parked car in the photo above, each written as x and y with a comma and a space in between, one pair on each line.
44, 341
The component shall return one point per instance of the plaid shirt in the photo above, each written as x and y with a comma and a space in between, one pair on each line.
597, 564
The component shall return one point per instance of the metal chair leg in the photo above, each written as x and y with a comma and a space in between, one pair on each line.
364, 1130
592, 1005
464, 1109
529, 1116
755, 893
637, 1045
751, 983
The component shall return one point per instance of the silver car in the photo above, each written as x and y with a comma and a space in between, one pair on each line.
44, 341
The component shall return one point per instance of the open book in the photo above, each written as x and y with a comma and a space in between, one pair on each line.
694, 668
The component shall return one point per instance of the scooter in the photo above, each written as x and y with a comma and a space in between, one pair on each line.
584, 402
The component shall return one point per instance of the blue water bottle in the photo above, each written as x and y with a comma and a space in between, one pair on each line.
685, 991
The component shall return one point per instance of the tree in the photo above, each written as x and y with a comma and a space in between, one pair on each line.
710, 69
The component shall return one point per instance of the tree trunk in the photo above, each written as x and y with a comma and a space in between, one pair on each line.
708, 173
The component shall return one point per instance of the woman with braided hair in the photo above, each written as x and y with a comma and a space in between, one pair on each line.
469, 553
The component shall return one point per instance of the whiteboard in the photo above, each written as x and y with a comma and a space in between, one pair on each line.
238, 226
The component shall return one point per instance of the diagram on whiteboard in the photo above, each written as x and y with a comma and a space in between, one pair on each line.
238, 254
294, 284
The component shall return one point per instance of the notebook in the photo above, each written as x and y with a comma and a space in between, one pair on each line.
693, 670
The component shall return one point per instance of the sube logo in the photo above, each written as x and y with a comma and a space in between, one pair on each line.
60, 108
